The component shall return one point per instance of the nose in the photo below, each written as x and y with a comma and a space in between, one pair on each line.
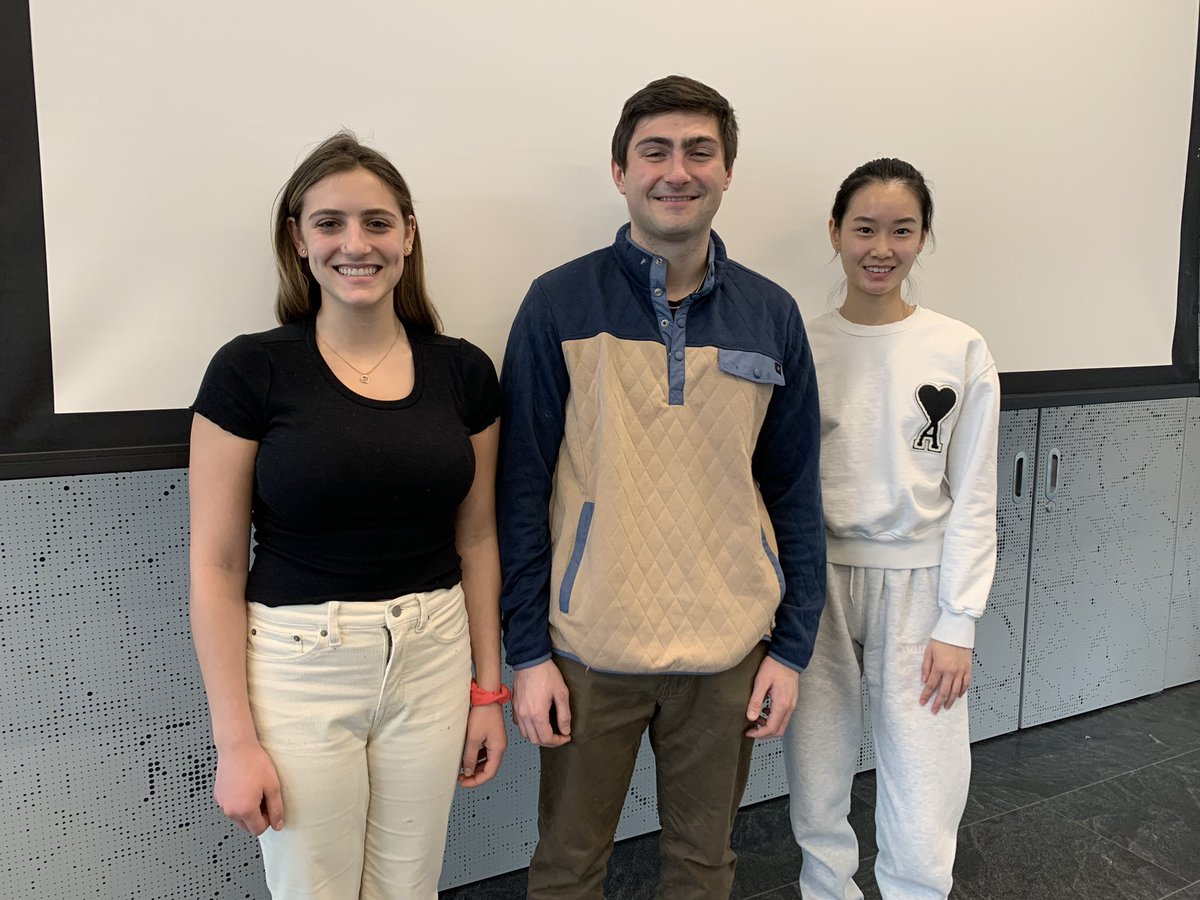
880, 248
678, 173
354, 242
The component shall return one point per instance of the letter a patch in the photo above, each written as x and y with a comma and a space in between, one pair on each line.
936, 402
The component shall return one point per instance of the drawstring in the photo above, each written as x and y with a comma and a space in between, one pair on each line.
854, 570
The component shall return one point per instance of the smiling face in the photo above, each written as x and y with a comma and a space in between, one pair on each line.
878, 240
351, 231
673, 180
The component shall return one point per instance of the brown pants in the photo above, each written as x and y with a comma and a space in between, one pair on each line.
697, 731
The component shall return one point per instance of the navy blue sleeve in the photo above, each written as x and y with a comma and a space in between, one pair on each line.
786, 465
534, 384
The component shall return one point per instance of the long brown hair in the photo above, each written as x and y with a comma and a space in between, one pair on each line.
299, 295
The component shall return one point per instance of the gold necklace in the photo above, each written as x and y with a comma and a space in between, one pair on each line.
365, 377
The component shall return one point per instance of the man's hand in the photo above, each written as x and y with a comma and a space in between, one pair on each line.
776, 682
946, 672
535, 690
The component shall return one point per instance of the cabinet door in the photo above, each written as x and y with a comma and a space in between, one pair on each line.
1183, 635
995, 695
1102, 555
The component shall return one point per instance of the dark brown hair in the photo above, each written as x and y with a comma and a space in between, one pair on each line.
675, 93
299, 295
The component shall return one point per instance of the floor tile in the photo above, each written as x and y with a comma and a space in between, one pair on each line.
767, 852
864, 787
784, 892
865, 879
1153, 812
1036, 852
503, 887
1018, 769
633, 868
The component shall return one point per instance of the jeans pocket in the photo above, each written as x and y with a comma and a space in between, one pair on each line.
448, 622
281, 642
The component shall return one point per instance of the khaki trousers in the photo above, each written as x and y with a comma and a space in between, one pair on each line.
702, 760
362, 706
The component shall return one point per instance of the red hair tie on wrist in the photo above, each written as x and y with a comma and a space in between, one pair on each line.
480, 697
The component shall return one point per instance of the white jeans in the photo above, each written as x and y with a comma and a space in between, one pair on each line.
363, 708
876, 623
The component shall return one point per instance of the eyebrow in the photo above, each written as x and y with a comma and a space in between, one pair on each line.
688, 143
316, 213
907, 220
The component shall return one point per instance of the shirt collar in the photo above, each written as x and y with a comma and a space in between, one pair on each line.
639, 263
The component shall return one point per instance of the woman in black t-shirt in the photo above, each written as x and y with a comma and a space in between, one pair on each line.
360, 444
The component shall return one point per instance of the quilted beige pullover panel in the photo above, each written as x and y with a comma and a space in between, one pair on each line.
672, 574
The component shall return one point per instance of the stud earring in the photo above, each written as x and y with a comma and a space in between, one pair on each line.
303, 252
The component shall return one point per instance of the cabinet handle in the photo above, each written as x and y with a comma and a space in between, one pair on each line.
1018, 476
1053, 472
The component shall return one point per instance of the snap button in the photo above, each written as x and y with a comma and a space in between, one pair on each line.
758, 373
658, 261
254, 631
396, 611
296, 637
679, 354
658, 292
680, 320
665, 324
324, 633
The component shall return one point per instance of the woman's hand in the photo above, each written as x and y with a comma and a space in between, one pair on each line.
946, 671
247, 788
485, 745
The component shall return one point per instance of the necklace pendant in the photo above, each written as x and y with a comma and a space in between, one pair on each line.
365, 379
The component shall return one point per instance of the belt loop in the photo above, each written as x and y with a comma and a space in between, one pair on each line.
422, 613
331, 627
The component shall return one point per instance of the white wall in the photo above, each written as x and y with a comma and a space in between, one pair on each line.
1055, 135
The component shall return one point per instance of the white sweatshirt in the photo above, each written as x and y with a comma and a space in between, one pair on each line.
910, 417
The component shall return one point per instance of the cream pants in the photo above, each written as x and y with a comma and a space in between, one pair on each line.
362, 707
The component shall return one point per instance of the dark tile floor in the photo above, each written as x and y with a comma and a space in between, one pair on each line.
1098, 807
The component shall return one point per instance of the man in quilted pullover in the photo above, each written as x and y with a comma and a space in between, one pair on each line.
660, 511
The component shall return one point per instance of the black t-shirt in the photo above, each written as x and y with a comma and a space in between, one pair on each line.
354, 499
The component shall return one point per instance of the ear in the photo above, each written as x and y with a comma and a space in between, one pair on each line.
410, 230
618, 175
728, 177
921, 246
294, 231
835, 236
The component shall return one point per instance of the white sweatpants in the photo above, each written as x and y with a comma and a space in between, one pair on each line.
363, 709
876, 623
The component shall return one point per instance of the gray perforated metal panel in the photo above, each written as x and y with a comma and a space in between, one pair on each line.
1183, 634
1102, 556
995, 694
105, 755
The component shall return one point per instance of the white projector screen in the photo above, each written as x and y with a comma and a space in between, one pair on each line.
1054, 134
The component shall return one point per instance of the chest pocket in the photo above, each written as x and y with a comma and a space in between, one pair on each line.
751, 366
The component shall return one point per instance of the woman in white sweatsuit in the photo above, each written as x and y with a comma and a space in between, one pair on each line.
909, 419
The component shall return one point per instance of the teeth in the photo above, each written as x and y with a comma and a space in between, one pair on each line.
358, 270
879, 270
